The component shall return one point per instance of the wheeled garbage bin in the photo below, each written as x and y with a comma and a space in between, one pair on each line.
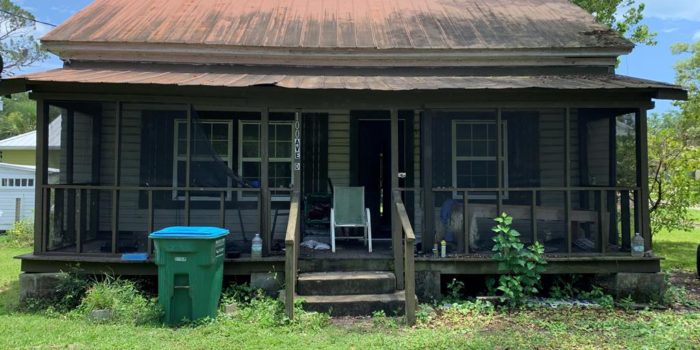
190, 271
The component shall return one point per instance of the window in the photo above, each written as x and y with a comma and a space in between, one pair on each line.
219, 136
280, 150
11, 182
474, 156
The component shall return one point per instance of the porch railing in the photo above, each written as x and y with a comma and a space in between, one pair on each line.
291, 244
622, 200
409, 268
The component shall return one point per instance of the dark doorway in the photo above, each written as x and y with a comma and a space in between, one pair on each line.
373, 169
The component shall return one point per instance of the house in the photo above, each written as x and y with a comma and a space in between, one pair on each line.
21, 149
17, 193
230, 114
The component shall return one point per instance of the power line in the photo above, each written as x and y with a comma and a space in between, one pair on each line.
27, 18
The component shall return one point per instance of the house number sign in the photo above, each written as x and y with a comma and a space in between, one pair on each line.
297, 146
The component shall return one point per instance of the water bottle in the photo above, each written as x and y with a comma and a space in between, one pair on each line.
637, 245
256, 249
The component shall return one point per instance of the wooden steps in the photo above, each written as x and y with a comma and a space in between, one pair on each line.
354, 293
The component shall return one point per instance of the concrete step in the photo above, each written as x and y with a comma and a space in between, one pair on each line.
356, 305
346, 283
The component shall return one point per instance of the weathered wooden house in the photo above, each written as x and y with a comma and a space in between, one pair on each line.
235, 113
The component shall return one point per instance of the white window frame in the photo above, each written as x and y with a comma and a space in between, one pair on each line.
12, 182
504, 157
241, 159
180, 158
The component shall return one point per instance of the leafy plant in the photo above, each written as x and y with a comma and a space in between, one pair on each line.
242, 293
125, 301
21, 234
70, 290
380, 319
521, 267
455, 290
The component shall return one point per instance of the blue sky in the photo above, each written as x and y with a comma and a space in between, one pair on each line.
673, 20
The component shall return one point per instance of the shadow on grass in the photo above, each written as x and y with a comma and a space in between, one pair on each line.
9, 297
678, 255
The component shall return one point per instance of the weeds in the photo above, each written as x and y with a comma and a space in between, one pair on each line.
21, 234
123, 299
70, 290
380, 319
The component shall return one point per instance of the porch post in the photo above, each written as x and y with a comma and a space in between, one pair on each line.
396, 229
643, 176
188, 164
567, 178
265, 196
426, 163
42, 165
117, 174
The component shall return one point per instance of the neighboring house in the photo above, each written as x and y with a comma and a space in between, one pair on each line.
21, 149
205, 113
17, 193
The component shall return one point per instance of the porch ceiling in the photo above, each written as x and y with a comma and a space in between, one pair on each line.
377, 80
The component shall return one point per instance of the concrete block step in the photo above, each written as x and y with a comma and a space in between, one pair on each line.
346, 283
356, 305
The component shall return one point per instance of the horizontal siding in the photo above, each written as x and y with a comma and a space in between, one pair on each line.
339, 148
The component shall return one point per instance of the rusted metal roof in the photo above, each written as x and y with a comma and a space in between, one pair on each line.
379, 80
340, 24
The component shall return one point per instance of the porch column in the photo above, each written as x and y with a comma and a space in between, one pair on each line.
396, 230
265, 197
643, 176
426, 163
117, 174
42, 165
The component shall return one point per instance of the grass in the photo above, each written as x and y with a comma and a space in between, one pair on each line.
678, 247
533, 329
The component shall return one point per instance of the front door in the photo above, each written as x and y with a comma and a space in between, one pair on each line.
373, 162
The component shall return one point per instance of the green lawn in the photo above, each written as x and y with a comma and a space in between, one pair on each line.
678, 247
535, 329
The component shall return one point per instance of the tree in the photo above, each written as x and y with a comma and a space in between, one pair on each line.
18, 115
674, 150
628, 24
18, 47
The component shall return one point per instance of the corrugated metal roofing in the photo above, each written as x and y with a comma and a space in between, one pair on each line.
27, 141
341, 79
344, 24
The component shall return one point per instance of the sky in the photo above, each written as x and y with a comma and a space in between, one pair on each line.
674, 21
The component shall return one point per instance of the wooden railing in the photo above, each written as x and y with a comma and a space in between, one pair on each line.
291, 244
409, 265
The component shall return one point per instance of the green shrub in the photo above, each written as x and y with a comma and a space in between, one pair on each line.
521, 267
238, 294
122, 297
21, 234
69, 292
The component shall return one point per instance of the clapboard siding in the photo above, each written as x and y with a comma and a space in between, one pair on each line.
9, 195
339, 148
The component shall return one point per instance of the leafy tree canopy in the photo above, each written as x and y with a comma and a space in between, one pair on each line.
18, 47
625, 16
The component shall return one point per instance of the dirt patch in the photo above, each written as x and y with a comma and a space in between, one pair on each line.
689, 281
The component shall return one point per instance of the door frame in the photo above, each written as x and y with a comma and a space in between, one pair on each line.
384, 115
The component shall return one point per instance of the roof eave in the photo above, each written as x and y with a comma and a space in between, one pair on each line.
216, 54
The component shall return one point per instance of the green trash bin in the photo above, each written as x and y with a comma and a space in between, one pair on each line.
190, 271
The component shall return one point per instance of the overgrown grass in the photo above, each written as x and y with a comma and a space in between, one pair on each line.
678, 247
9, 273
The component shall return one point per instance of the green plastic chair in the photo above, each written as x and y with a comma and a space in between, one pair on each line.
349, 211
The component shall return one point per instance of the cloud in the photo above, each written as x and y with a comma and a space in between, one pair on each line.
688, 10
696, 36
670, 30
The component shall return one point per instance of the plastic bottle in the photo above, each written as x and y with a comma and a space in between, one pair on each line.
443, 249
637, 245
256, 249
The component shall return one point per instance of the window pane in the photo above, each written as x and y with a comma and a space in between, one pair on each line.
251, 149
463, 131
464, 148
31, 182
284, 132
181, 148
250, 132
221, 148
24, 182
220, 132
4, 182
480, 149
251, 171
182, 131
284, 149
479, 132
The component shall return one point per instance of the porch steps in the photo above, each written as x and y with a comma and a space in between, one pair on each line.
346, 283
354, 293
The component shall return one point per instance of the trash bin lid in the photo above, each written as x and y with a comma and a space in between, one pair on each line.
190, 232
